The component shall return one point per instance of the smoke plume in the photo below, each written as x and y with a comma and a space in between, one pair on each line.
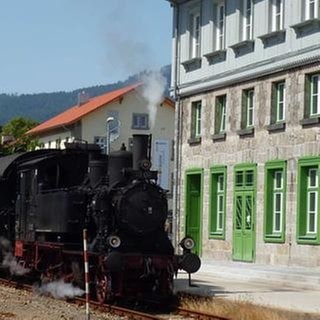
59, 290
154, 84
9, 261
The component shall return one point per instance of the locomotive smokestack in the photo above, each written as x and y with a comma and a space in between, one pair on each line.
140, 149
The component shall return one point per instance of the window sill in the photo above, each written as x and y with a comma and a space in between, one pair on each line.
306, 24
308, 239
275, 127
243, 47
132, 128
273, 38
194, 141
310, 121
216, 236
219, 137
192, 64
216, 56
247, 132
274, 238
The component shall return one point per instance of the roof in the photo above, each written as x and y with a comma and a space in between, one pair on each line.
76, 112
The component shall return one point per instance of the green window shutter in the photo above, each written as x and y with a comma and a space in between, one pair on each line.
307, 92
268, 202
215, 173
244, 109
273, 103
302, 218
217, 115
213, 213
271, 168
304, 165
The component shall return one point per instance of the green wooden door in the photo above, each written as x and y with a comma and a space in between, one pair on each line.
243, 233
193, 208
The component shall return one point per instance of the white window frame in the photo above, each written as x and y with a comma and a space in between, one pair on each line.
196, 118
311, 5
247, 20
223, 107
220, 25
314, 94
280, 103
250, 107
137, 121
277, 191
312, 189
220, 200
197, 129
277, 9
195, 34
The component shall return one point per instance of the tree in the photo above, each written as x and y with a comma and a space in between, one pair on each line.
17, 127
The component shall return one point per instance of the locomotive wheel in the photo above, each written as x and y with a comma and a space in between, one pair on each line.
102, 288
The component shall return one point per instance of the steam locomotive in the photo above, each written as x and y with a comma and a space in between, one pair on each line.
48, 197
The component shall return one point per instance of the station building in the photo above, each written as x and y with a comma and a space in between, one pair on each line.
246, 79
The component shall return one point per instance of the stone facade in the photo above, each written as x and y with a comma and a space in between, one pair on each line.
290, 144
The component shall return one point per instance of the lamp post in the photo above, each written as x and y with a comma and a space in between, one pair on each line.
109, 120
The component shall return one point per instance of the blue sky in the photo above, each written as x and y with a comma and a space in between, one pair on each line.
53, 45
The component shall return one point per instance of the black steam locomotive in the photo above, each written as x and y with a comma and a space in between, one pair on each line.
48, 197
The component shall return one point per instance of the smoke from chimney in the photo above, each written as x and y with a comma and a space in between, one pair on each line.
153, 88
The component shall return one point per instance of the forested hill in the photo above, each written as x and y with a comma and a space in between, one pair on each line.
42, 106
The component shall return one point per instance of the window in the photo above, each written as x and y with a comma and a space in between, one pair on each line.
247, 108
220, 114
196, 119
101, 142
312, 96
58, 143
140, 121
278, 102
218, 202
247, 19
312, 200
311, 9
275, 200
195, 34
277, 15
308, 194
220, 25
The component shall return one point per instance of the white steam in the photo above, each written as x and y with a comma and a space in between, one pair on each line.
9, 261
59, 290
153, 88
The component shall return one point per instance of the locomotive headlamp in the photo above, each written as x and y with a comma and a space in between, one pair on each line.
114, 242
187, 243
145, 164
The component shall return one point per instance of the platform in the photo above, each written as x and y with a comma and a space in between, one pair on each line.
292, 288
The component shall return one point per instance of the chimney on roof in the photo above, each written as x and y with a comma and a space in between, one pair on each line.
83, 97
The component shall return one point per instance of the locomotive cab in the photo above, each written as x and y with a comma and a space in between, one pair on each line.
48, 206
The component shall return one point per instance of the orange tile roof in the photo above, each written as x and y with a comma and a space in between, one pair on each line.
76, 112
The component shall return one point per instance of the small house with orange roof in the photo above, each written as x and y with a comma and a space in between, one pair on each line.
128, 111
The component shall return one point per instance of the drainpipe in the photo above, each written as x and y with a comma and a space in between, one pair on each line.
176, 185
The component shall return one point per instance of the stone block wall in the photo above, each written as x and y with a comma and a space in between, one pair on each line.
290, 144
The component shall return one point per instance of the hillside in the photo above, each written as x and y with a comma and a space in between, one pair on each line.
42, 106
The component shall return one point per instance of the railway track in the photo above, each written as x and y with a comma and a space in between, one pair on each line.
177, 314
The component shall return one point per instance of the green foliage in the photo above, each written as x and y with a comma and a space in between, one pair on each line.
17, 128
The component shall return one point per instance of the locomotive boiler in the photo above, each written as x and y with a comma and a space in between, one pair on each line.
49, 196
